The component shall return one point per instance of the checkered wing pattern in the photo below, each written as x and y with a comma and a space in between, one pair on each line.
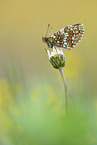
68, 37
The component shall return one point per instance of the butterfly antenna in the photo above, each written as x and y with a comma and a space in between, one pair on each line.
48, 30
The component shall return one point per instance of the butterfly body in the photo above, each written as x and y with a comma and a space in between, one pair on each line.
67, 37
48, 41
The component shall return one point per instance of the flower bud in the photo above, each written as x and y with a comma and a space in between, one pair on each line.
56, 57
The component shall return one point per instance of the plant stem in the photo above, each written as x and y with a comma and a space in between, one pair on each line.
66, 101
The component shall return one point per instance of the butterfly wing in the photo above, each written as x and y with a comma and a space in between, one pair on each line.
68, 37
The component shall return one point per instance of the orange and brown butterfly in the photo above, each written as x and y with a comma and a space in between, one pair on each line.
67, 37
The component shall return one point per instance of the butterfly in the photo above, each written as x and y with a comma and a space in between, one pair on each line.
67, 37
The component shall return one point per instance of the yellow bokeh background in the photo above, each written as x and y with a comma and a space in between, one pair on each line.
24, 22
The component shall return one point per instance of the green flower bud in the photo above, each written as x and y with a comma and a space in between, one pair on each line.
56, 58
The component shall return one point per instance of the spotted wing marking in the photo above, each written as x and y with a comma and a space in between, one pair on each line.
68, 37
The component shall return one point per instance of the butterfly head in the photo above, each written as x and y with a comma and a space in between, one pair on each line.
44, 39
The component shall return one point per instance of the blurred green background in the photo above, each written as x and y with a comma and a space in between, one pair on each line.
32, 110
24, 22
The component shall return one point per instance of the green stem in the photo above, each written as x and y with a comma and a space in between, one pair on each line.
65, 86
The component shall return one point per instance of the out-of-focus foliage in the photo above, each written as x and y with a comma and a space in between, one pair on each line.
36, 116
